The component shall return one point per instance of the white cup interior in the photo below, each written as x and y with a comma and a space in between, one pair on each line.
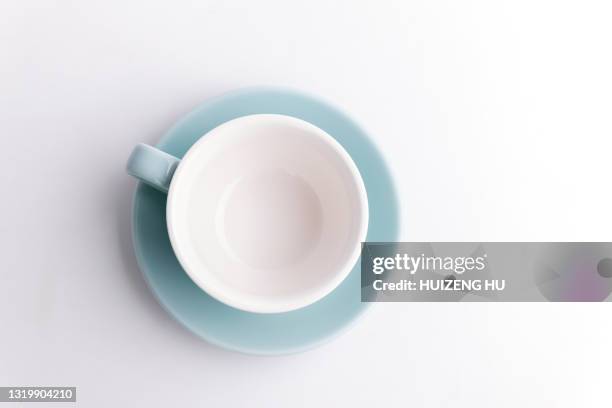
266, 213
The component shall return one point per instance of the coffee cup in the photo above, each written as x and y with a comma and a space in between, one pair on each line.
266, 213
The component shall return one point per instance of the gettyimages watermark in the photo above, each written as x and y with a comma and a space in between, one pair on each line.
493, 271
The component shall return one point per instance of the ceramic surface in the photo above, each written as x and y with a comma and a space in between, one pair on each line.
217, 322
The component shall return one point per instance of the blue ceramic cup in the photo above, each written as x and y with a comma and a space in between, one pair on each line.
266, 213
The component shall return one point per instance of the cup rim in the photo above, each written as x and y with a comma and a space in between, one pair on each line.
272, 306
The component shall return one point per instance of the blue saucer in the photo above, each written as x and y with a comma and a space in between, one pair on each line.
212, 320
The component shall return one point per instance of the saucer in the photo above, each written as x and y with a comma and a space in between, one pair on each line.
222, 325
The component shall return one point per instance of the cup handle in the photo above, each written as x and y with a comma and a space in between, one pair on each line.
152, 166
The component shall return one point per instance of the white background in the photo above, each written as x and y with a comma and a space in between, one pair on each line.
494, 116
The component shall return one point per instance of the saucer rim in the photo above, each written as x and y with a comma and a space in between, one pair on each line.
362, 307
